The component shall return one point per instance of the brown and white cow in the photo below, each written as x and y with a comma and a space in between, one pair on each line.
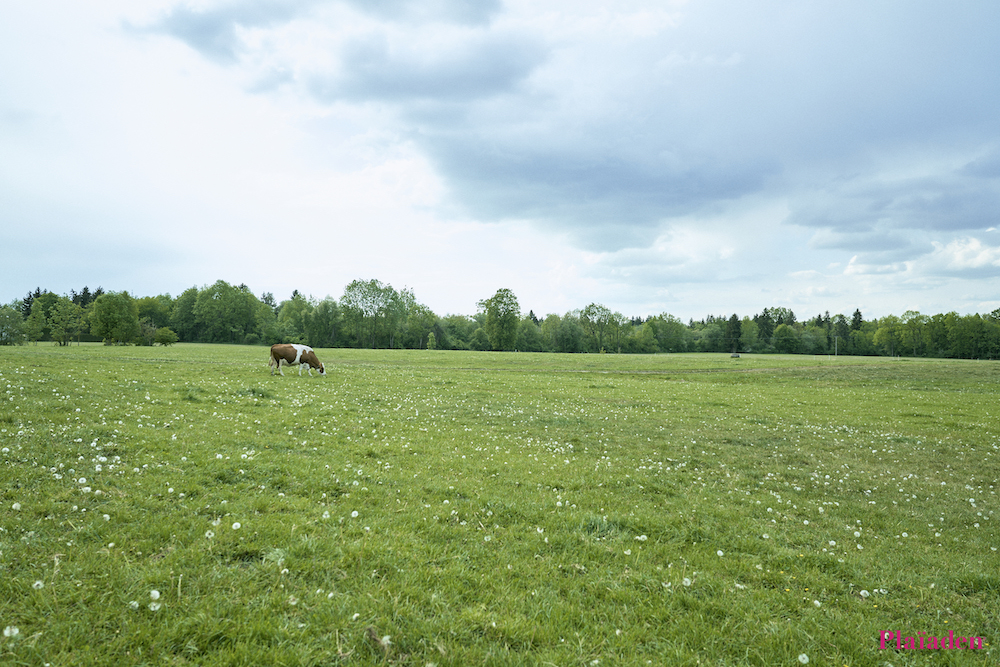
291, 354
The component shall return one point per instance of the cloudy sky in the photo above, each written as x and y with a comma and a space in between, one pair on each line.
698, 157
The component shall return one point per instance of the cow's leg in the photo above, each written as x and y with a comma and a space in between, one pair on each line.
271, 364
300, 370
281, 362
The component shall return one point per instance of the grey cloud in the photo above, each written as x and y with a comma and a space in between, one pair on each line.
457, 11
481, 67
985, 167
213, 32
886, 216
604, 201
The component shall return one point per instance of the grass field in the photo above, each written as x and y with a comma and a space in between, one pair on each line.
173, 506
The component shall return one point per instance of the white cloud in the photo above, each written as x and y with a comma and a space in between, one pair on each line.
965, 255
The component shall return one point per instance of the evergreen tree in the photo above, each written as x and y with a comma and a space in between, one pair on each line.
856, 320
734, 332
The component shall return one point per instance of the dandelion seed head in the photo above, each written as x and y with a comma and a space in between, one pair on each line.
38, 585
154, 606
154, 595
11, 631
354, 514
237, 525
803, 658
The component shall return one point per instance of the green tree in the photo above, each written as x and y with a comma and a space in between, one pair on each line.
645, 340
165, 336
570, 335
596, 319
183, 320
765, 326
783, 316
529, 336
913, 333
967, 337
841, 335
225, 314
671, 334
734, 333
887, 335
857, 320
711, 337
11, 326
861, 340
549, 328
748, 335
786, 339
618, 331
42, 303
65, 321
431, 341
147, 333
292, 316
420, 323
156, 309
365, 306
813, 339
322, 323
115, 318
480, 341
503, 314
35, 325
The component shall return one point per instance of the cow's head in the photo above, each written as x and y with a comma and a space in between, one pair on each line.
322, 369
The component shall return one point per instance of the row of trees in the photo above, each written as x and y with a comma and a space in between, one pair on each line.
375, 315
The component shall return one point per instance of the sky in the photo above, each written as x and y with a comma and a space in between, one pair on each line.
699, 157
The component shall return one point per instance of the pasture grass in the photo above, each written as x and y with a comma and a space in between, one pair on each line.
181, 506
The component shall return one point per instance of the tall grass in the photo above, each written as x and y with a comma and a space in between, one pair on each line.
182, 506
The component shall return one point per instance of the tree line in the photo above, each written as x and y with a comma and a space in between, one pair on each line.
372, 314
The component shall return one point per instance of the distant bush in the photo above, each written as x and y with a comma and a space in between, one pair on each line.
165, 336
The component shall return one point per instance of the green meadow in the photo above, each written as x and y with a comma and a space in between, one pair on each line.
181, 506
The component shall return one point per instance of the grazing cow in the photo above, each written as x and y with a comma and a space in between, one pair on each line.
290, 354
